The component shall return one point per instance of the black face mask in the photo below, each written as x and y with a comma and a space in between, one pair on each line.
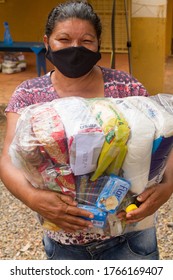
73, 62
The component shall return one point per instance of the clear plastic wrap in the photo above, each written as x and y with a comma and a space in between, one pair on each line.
165, 100
116, 131
40, 149
137, 162
99, 151
162, 119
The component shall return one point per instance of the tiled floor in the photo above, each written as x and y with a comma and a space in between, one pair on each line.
8, 82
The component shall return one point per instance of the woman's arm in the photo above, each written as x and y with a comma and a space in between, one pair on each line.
55, 207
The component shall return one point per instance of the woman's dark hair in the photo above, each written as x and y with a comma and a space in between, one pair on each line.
73, 9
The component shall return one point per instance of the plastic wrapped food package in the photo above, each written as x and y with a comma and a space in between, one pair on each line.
76, 146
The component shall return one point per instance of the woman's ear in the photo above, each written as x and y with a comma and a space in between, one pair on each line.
45, 40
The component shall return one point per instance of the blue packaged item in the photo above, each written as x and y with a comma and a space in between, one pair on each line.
112, 194
100, 216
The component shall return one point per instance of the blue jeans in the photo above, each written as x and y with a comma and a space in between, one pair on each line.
139, 245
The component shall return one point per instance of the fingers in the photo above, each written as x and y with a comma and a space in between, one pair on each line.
61, 210
135, 215
70, 222
75, 211
145, 194
69, 227
67, 199
77, 216
76, 223
147, 206
130, 217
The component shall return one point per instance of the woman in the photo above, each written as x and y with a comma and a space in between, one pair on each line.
72, 39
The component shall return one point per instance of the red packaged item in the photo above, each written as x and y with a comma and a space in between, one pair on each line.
49, 131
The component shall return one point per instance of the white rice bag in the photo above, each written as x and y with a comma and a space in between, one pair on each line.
136, 165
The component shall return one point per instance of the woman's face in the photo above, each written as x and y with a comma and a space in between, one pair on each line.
73, 33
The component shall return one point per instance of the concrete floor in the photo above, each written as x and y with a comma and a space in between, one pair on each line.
9, 82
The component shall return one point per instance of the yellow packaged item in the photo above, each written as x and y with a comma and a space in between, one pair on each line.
116, 164
50, 226
116, 133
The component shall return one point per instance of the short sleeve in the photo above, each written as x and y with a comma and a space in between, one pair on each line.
119, 84
29, 92
19, 99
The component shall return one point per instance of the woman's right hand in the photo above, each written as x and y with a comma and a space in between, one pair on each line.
61, 210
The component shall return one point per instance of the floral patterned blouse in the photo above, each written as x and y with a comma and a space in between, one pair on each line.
117, 84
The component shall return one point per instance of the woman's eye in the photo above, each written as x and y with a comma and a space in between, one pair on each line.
63, 40
87, 41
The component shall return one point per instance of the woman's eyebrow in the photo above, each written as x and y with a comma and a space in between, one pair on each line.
89, 34
66, 34
62, 33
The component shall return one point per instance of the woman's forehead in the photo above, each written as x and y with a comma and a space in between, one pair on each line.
75, 25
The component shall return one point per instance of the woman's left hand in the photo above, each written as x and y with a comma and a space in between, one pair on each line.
151, 200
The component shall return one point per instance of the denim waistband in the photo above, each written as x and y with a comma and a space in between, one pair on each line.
99, 246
